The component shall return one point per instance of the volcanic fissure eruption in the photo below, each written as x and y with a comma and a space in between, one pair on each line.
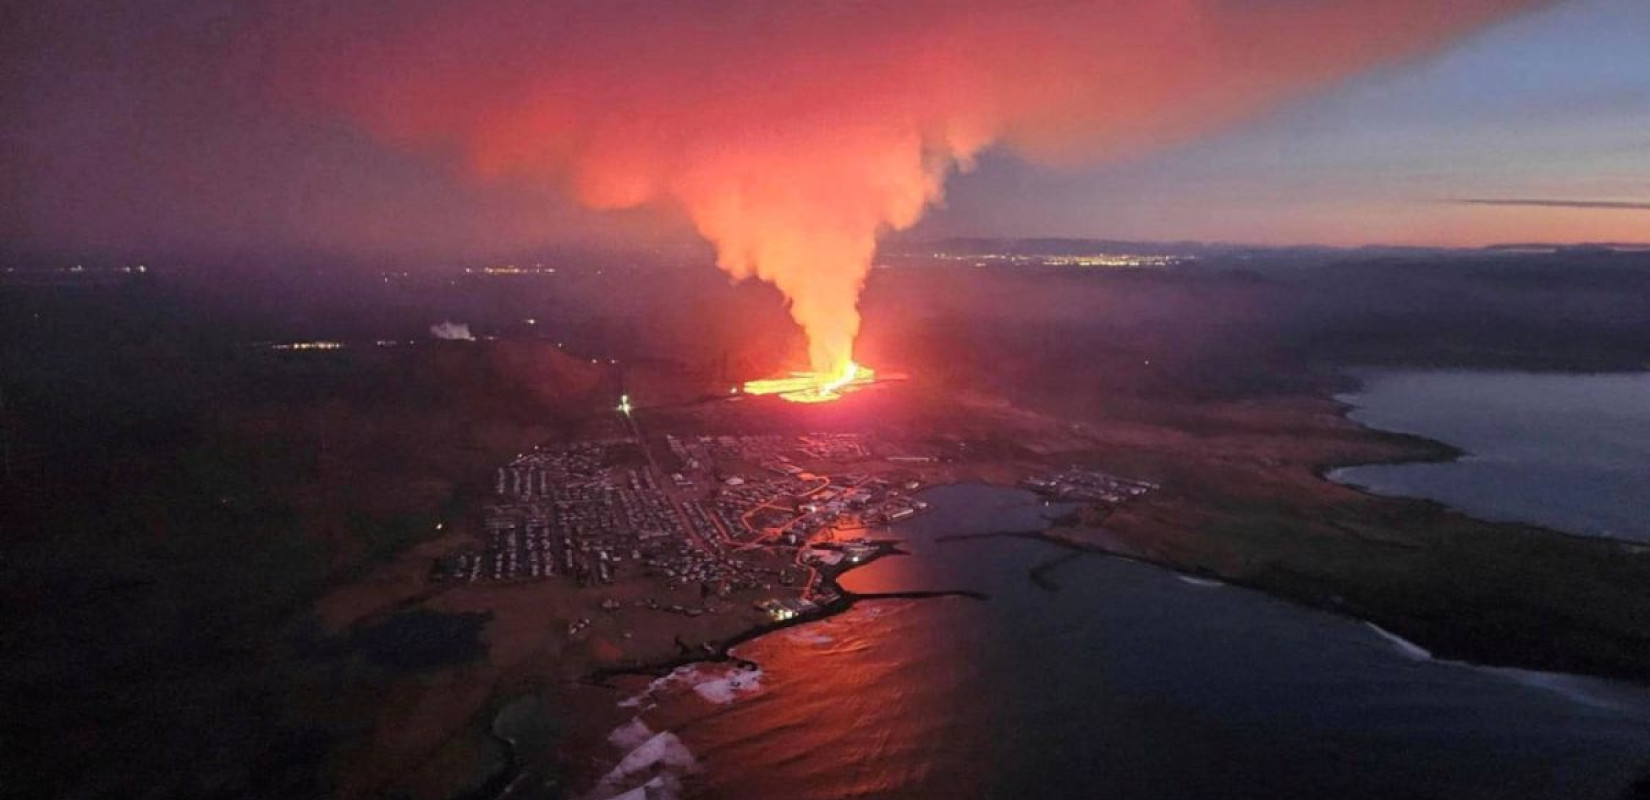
813, 387
793, 134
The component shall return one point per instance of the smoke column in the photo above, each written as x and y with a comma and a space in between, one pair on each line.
793, 133
452, 331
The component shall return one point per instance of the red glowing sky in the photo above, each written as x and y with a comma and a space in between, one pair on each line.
444, 128
793, 135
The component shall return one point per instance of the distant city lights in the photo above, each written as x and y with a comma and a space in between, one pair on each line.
510, 269
315, 345
1091, 261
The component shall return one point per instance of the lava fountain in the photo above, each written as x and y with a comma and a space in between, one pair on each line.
814, 387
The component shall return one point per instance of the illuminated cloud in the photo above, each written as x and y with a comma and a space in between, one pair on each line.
793, 134
1605, 205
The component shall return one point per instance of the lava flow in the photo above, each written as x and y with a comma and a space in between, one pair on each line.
814, 387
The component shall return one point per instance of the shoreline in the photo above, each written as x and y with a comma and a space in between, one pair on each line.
1461, 651
721, 651
1445, 453
1416, 449
1073, 549
516, 769
1221, 494
1208, 578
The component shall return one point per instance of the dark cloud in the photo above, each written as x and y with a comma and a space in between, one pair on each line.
1606, 205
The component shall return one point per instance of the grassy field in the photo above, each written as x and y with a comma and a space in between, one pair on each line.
1244, 499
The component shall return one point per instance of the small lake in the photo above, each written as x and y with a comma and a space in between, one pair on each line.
1570, 452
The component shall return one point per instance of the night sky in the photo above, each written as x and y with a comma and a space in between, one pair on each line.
206, 127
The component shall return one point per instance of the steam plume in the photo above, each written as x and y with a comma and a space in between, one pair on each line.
452, 331
793, 133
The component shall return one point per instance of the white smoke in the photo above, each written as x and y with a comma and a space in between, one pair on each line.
452, 331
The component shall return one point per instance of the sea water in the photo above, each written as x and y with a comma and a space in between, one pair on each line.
1126, 682
1570, 452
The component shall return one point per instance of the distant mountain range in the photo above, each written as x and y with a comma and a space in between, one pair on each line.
1073, 246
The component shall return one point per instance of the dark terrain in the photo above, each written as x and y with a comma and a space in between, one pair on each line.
177, 495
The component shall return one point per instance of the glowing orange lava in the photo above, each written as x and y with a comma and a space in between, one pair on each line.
814, 387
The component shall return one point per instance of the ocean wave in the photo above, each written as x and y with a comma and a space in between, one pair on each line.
1207, 583
630, 735
660, 787
719, 684
807, 635
870, 610
660, 760
1592, 692
726, 687
1409, 649
653, 688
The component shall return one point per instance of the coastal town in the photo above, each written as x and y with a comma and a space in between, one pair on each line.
729, 516
765, 521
